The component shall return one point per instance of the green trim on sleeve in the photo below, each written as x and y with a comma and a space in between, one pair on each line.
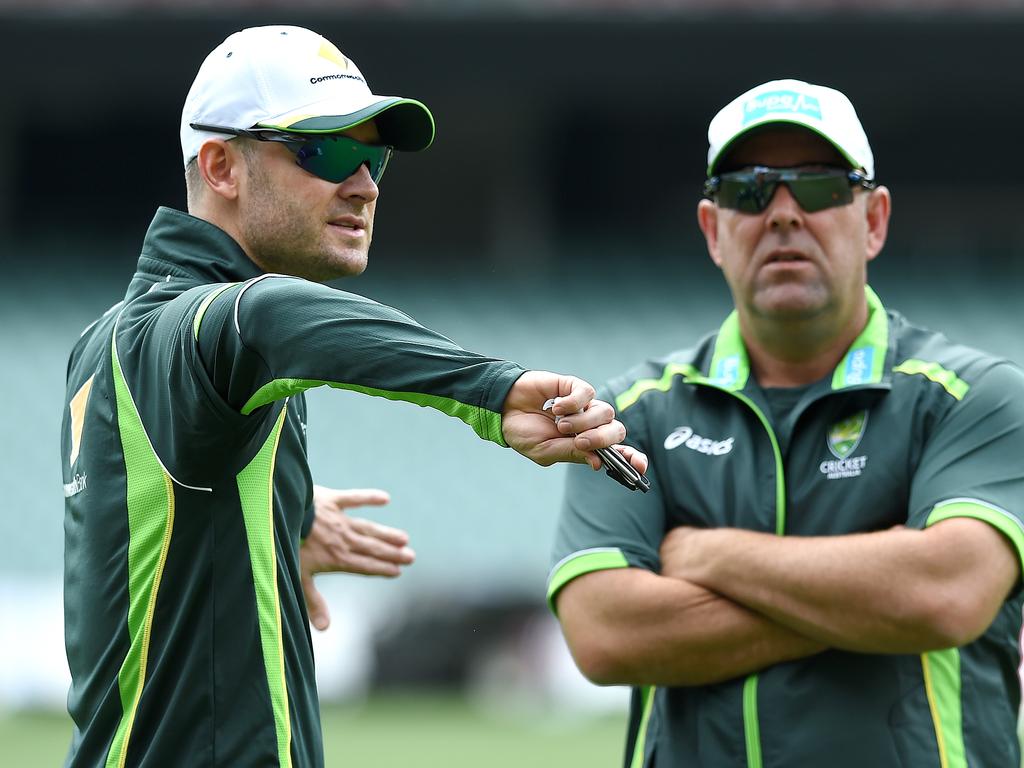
487, 424
998, 518
942, 686
631, 395
950, 382
647, 694
206, 305
864, 362
579, 563
150, 498
256, 494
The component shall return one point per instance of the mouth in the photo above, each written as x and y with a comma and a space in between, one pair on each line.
351, 225
784, 257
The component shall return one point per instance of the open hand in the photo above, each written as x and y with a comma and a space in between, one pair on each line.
339, 543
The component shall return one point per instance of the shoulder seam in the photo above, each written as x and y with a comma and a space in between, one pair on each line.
947, 379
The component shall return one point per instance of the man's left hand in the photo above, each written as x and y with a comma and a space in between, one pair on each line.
339, 543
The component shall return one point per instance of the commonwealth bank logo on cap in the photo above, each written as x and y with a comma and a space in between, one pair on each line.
292, 78
823, 110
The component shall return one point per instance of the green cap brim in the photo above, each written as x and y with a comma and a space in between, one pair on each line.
405, 124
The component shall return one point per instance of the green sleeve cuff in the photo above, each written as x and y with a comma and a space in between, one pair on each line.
579, 563
998, 518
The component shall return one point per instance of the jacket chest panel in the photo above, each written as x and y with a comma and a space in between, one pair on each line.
850, 473
845, 469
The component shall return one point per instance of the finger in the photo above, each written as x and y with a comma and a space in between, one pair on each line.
371, 566
316, 606
597, 414
577, 395
376, 549
600, 437
360, 497
386, 533
637, 459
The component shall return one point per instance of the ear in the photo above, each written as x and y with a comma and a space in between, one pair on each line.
879, 207
222, 167
707, 220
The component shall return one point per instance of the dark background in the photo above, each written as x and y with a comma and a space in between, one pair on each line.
560, 138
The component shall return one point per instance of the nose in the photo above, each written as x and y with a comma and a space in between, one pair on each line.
784, 213
360, 185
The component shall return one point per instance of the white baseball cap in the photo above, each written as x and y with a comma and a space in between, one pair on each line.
292, 78
823, 110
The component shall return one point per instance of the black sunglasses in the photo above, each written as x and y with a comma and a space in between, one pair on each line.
752, 189
332, 157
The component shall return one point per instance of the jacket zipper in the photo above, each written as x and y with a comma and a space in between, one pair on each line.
751, 723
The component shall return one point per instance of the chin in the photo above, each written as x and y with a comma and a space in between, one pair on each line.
790, 302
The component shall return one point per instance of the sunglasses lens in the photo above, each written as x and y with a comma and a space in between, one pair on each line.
746, 192
816, 193
752, 191
335, 158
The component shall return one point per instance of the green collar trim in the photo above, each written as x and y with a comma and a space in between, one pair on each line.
730, 365
864, 362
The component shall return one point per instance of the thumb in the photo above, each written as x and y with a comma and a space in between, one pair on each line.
316, 606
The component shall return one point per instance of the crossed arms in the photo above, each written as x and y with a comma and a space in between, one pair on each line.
729, 602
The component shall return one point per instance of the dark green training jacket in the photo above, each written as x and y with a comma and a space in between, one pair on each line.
910, 429
187, 490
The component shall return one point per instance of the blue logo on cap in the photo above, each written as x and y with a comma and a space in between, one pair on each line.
782, 103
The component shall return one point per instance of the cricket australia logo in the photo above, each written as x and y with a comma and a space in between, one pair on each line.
843, 439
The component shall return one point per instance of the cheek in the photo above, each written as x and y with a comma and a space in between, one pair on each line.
737, 238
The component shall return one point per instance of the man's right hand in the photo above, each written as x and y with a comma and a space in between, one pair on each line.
585, 424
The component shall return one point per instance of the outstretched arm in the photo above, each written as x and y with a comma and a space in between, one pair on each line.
631, 626
339, 543
277, 336
897, 591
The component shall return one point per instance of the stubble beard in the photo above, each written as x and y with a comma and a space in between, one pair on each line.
286, 238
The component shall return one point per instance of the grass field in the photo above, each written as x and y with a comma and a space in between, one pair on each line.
433, 731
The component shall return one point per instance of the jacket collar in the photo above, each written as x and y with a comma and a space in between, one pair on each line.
180, 246
865, 362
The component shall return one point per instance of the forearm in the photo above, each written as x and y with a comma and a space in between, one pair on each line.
628, 626
895, 591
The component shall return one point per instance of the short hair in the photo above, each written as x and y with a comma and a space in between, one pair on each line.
194, 185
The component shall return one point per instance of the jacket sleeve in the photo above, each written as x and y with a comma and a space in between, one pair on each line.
274, 336
603, 525
971, 463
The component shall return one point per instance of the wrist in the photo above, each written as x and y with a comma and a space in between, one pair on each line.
706, 556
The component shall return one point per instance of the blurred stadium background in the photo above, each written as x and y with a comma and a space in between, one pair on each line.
552, 222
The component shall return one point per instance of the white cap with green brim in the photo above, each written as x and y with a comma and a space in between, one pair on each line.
823, 110
293, 79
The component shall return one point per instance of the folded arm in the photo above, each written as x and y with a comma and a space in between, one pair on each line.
897, 591
631, 626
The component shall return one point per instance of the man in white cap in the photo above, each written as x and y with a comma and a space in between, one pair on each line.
184, 453
827, 570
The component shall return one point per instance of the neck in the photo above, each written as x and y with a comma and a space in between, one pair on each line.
791, 353
221, 216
